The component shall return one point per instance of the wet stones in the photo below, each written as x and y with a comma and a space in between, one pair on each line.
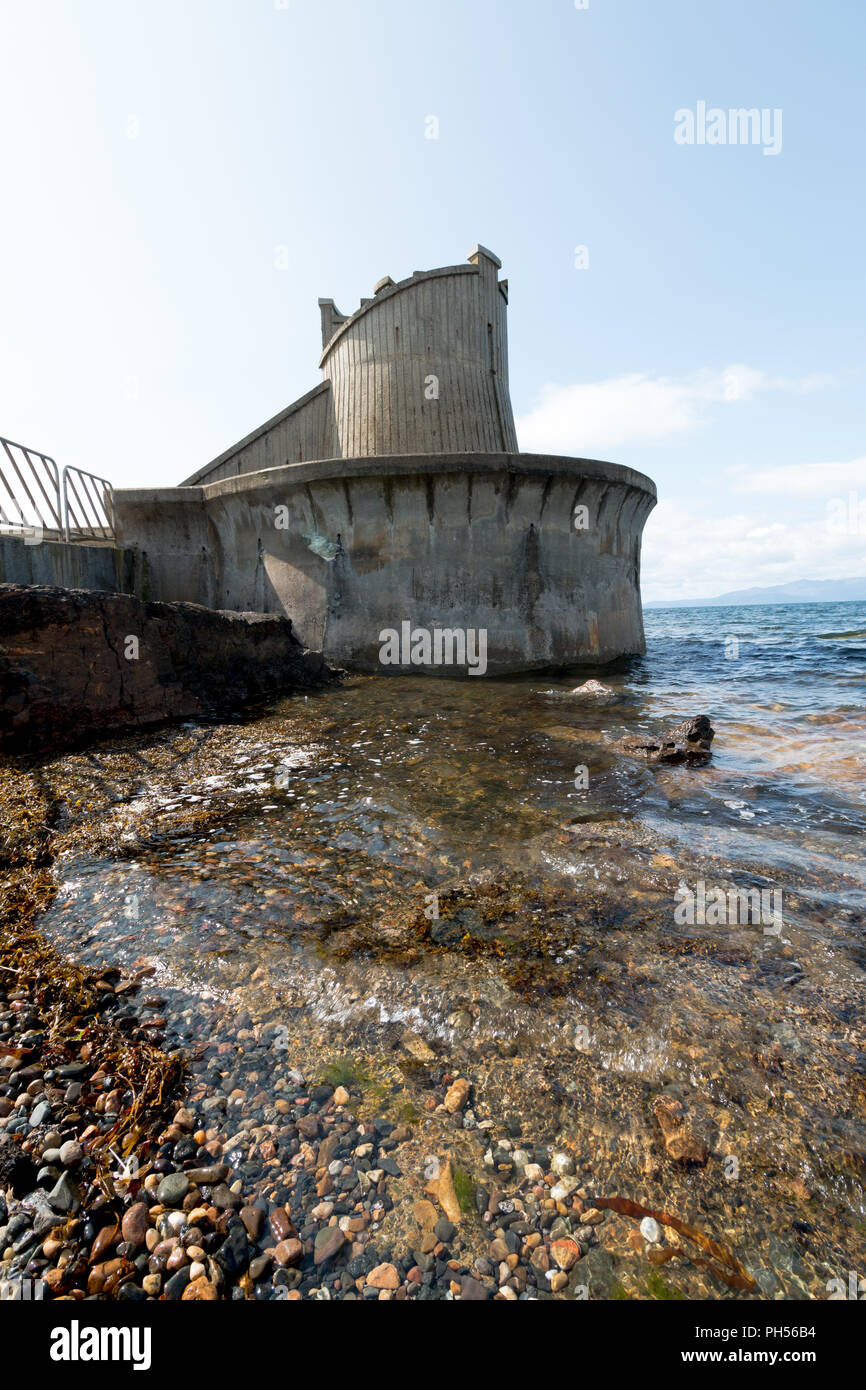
328, 1243
134, 1225
688, 742
65, 1196
682, 1143
173, 1189
457, 1095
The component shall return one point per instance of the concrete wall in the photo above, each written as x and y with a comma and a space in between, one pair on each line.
70, 565
348, 548
304, 430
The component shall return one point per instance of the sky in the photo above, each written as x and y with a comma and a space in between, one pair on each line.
180, 180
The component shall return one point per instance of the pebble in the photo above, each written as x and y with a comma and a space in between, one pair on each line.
71, 1153
651, 1230
457, 1095
173, 1189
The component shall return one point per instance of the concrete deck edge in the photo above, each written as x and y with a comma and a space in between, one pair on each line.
414, 465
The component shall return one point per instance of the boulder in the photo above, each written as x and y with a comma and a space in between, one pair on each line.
76, 664
689, 742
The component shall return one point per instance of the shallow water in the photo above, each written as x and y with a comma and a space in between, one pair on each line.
289, 869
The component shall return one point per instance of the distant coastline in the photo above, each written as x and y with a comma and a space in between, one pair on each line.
800, 591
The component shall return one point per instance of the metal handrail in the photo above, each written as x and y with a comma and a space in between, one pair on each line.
37, 498
91, 512
33, 472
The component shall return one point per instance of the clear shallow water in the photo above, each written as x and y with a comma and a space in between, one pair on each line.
282, 869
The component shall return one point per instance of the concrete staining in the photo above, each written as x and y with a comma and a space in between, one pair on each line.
394, 492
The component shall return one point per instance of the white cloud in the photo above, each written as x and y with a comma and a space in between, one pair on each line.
597, 417
804, 479
690, 555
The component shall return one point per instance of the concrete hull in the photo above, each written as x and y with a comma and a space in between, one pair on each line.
351, 548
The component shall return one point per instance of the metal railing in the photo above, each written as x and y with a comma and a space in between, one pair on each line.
88, 506
29, 491
38, 501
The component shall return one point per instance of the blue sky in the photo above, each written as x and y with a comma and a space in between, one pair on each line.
161, 160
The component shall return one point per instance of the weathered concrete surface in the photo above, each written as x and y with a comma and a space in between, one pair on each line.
75, 664
351, 547
69, 564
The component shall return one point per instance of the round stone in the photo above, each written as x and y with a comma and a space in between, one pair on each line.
651, 1230
173, 1189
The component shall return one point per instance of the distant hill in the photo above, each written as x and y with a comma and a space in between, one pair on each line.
800, 591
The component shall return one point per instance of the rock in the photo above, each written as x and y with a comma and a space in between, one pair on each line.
418, 1048
473, 1291
208, 1176
71, 1153
445, 1230
457, 1095
65, 1195
651, 1230
64, 677
686, 1147
565, 1253
253, 1219
425, 1214
233, 1255
200, 1290
289, 1252
328, 1243
688, 742
562, 1165
175, 1286
592, 688
224, 1198
104, 1241
40, 1114
45, 1220
681, 1142
280, 1223
447, 1195
134, 1225
384, 1276
341, 1096
173, 1189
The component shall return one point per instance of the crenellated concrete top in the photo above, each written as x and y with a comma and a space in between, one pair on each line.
420, 367
334, 324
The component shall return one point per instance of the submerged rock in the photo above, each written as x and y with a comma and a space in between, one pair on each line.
592, 688
689, 742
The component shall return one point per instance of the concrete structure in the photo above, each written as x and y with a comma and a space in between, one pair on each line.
420, 368
70, 565
394, 492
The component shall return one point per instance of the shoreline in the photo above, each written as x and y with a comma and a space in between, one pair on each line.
519, 1189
